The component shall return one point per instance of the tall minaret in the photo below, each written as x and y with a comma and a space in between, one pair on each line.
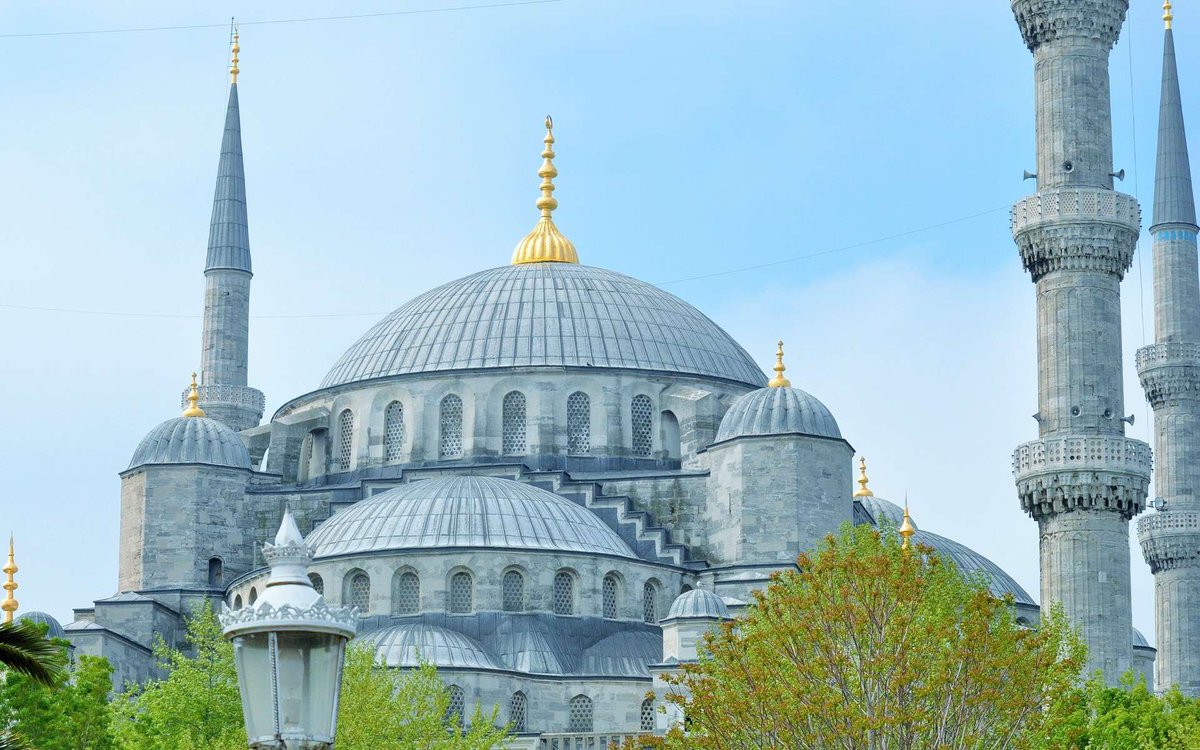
223, 359
1082, 480
1170, 374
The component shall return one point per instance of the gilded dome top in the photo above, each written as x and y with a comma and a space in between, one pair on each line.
777, 410
465, 511
546, 315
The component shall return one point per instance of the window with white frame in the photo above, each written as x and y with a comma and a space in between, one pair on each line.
514, 430
641, 412
450, 444
393, 432
579, 423
345, 439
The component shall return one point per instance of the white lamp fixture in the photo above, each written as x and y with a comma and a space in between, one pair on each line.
289, 647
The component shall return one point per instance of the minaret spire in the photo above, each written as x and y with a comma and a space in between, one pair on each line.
546, 244
779, 381
1170, 373
9, 605
863, 490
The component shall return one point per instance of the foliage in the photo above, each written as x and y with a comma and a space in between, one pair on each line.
379, 711
62, 714
871, 647
25, 650
196, 706
1130, 717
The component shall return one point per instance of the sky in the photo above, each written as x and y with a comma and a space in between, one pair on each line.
837, 175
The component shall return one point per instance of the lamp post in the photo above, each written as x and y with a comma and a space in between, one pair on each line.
289, 647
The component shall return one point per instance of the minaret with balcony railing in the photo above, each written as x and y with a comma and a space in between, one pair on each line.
1082, 480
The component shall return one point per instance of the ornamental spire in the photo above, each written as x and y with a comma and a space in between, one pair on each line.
906, 527
1167, 17
9, 605
545, 244
228, 236
233, 68
863, 490
193, 398
779, 381
1174, 202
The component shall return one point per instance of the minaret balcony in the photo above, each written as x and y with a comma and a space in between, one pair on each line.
230, 396
1170, 539
1169, 372
1079, 229
1082, 472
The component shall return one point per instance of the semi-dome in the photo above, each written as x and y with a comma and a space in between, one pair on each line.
777, 411
192, 440
698, 603
626, 654
466, 511
414, 643
53, 628
546, 315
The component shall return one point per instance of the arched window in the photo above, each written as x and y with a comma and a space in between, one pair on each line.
458, 704
345, 447
514, 442
513, 589
669, 435
564, 593
237, 602
306, 455
650, 602
516, 711
216, 571
579, 423
451, 442
462, 594
356, 591
317, 582
648, 715
393, 432
253, 596
406, 593
641, 417
610, 596
579, 712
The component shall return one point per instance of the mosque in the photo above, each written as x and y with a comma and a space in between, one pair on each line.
550, 478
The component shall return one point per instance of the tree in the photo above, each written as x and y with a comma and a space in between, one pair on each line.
869, 646
380, 710
25, 651
196, 706
1130, 717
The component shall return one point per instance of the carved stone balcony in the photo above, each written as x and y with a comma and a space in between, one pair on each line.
1061, 474
1170, 539
236, 396
1085, 229
1169, 372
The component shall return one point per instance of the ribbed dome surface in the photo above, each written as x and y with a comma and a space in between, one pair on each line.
192, 440
410, 644
777, 411
465, 512
53, 628
699, 603
546, 314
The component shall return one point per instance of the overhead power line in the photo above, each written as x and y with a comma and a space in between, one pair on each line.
273, 21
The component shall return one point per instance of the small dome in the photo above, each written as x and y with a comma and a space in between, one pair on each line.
53, 628
412, 643
1139, 640
699, 603
778, 411
192, 440
466, 511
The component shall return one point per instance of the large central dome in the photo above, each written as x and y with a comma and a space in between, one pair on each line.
546, 315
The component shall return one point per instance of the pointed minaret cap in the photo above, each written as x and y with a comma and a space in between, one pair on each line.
545, 244
779, 381
906, 528
9, 605
1174, 200
289, 556
193, 398
863, 490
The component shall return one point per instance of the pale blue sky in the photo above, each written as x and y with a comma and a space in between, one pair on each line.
385, 156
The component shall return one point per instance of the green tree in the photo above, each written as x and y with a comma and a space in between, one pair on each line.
1130, 717
869, 646
196, 706
25, 651
381, 710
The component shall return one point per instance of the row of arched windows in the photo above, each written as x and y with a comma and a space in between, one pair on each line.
580, 714
460, 596
514, 429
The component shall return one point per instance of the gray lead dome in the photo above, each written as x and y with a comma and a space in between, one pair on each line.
546, 314
778, 411
192, 440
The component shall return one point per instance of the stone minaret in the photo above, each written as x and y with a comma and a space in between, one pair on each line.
1170, 374
1082, 480
224, 357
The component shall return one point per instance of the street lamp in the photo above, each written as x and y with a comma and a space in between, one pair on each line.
289, 647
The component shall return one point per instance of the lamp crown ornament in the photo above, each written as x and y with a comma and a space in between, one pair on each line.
779, 381
193, 399
546, 244
863, 490
906, 528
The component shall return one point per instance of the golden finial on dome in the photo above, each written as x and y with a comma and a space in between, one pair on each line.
779, 381
906, 528
1167, 17
9, 605
193, 398
233, 69
545, 244
863, 490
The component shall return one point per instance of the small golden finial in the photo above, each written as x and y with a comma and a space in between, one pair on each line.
779, 381
906, 528
1167, 17
193, 398
863, 490
233, 69
9, 605
545, 244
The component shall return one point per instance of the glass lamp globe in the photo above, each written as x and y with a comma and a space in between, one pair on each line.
289, 647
